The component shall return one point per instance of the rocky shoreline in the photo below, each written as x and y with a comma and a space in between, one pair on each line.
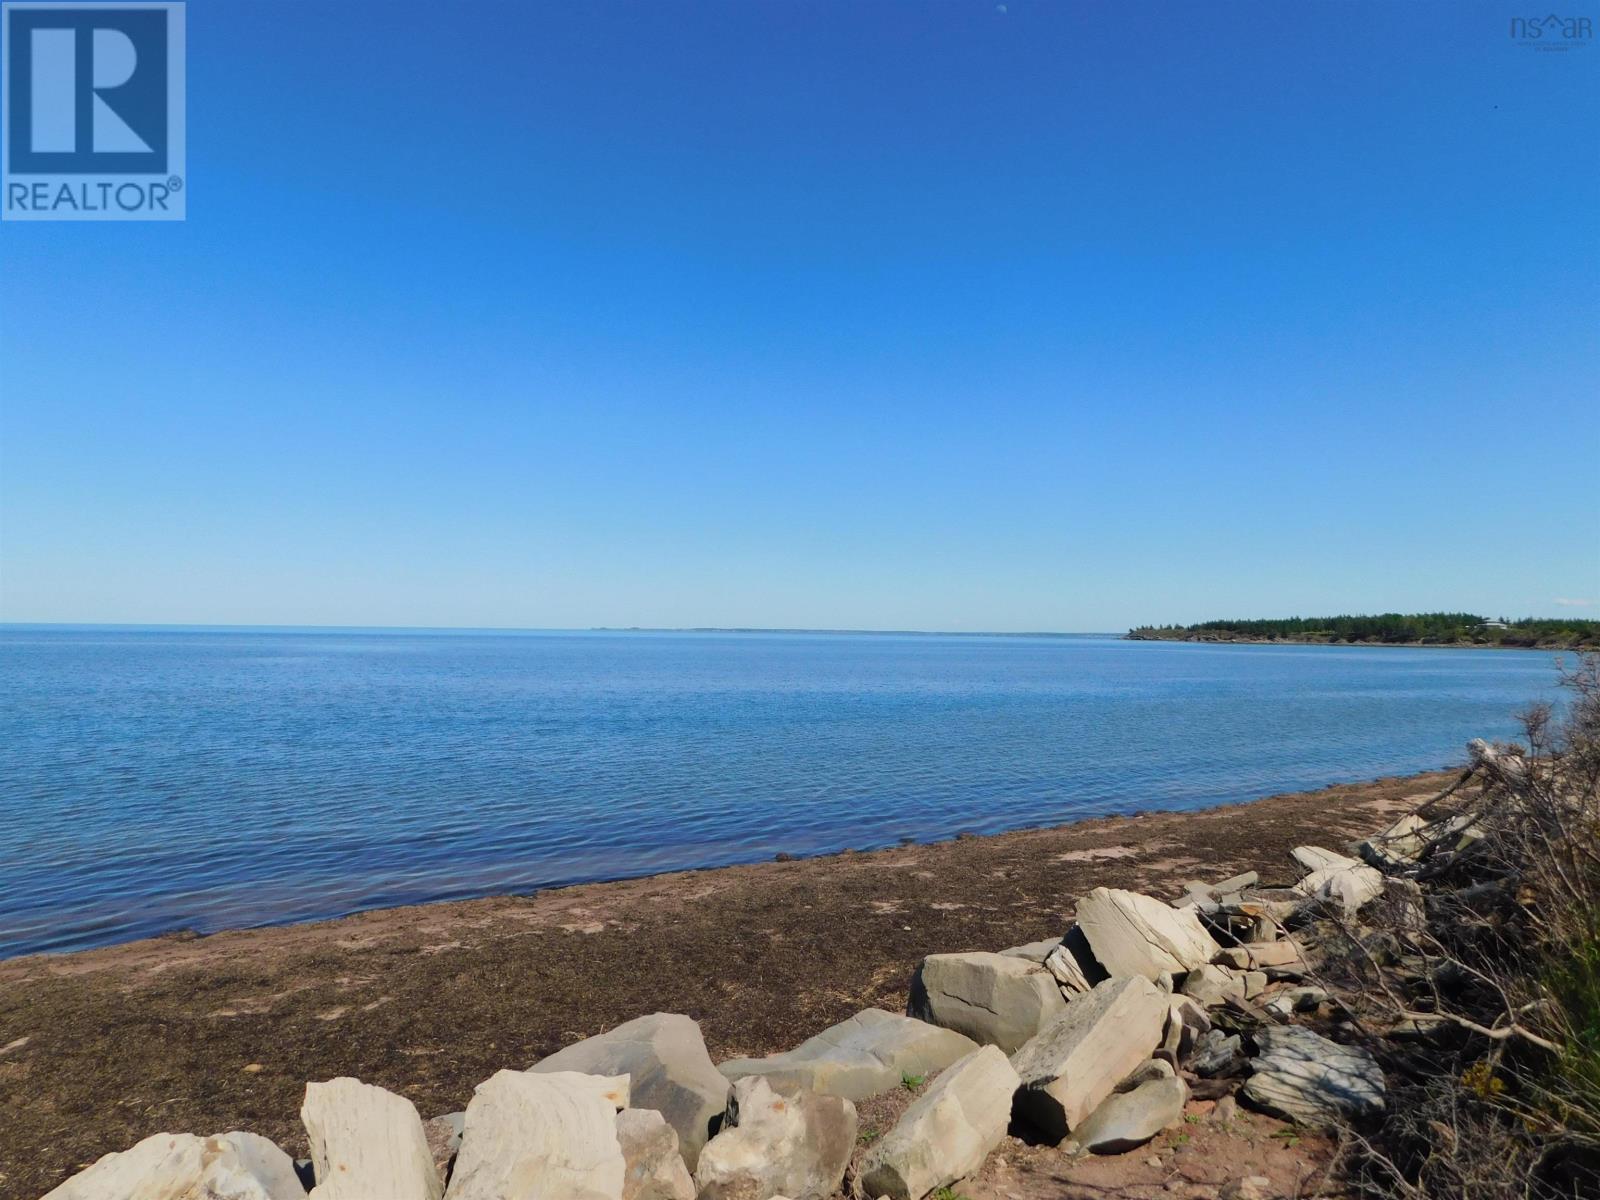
794, 976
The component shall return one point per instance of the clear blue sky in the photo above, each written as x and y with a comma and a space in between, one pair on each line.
935, 315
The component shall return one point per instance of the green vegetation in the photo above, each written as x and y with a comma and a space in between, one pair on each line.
912, 1082
1500, 1099
1392, 629
1572, 980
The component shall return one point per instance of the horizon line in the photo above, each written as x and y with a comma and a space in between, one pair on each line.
221, 626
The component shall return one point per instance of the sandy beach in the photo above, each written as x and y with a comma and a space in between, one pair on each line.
103, 1047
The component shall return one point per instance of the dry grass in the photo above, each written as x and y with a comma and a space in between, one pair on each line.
1478, 979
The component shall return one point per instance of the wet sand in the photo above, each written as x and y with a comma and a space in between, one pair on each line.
204, 1034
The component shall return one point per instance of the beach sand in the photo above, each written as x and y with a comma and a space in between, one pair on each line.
205, 1034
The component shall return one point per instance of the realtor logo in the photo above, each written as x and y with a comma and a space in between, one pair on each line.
92, 112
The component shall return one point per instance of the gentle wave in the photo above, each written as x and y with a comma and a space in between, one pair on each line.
153, 780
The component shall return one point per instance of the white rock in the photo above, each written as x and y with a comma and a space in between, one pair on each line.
655, 1170
1398, 845
670, 1071
366, 1142
991, 998
790, 1143
1133, 934
613, 1089
947, 1133
1294, 1000
865, 1056
1315, 858
1307, 1078
181, 1166
1081, 1056
1130, 1119
1281, 953
247, 1166
163, 1166
531, 1136
1211, 984
1350, 887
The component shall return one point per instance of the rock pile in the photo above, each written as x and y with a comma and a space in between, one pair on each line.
1093, 1041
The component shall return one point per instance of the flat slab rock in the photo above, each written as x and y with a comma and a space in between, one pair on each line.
665, 1058
551, 1135
994, 999
786, 1141
366, 1142
1348, 886
947, 1133
1301, 1075
1130, 1119
1316, 858
1033, 951
867, 1055
181, 1166
1134, 934
1081, 1056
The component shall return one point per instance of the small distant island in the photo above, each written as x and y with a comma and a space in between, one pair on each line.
1389, 629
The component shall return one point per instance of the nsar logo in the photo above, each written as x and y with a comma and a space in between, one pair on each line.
1552, 32
92, 112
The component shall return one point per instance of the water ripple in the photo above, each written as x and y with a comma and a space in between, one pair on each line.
155, 780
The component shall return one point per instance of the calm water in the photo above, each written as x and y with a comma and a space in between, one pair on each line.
154, 780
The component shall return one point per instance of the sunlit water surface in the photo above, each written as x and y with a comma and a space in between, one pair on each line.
153, 780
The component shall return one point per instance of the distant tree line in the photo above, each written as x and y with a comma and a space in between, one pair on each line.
1416, 629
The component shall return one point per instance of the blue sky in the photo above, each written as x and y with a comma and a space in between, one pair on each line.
895, 315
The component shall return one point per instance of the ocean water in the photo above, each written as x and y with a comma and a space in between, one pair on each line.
158, 779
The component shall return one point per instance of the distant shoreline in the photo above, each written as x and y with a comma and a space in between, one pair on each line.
1217, 639
1461, 630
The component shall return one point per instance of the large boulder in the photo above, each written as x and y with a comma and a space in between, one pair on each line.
655, 1170
787, 1142
864, 1056
181, 1166
666, 1059
1134, 934
366, 1142
1129, 1119
947, 1132
1303, 1076
1081, 1056
995, 999
552, 1136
